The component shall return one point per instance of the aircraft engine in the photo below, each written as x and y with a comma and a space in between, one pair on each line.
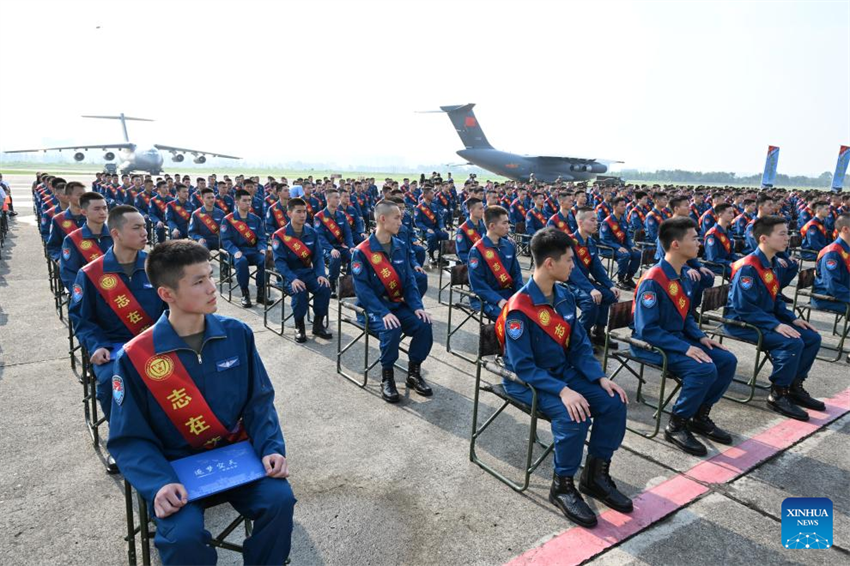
79, 156
200, 159
109, 156
178, 157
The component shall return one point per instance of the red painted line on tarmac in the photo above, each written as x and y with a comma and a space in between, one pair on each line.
578, 544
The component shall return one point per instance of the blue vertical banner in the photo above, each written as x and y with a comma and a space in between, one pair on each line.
770, 164
840, 168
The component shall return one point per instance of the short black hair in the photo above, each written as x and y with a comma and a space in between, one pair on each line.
639, 195
763, 226
472, 202
675, 202
165, 263
549, 242
207, 191
494, 214
722, 207
763, 198
116, 220
293, 202
674, 230
842, 221
179, 186
70, 187
86, 198
241, 193
617, 200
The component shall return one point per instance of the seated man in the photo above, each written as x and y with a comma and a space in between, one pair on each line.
562, 220
519, 207
494, 270
298, 256
469, 232
88, 243
786, 267
664, 319
535, 218
814, 232
833, 269
159, 210
386, 289
178, 213
333, 229
791, 342
405, 234
217, 392
546, 349
353, 215
589, 282
205, 225
427, 218
244, 238
65, 222
112, 300
614, 233
718, 241
276, 215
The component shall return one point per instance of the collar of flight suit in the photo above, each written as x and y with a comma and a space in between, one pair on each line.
165, 339
111, 265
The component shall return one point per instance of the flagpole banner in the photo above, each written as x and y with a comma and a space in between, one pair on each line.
770, 164
840, 168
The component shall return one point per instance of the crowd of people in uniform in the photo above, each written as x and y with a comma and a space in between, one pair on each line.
143, 315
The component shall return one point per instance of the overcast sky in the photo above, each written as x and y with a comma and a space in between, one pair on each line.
689, 85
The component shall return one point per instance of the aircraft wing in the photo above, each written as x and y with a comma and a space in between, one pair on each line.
101, 146
193, 151
582, 160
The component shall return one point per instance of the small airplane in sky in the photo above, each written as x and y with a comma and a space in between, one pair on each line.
133, 157
545, 168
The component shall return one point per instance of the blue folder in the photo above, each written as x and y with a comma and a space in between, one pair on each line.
220, 469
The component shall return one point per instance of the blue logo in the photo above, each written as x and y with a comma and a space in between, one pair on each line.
66, 253
118, 389
709, 241
831, 264
275, 243
648, 299
807, 522
460, 238
77, 293
224, 227
473, 262
229, 363
514, 329
357, 267
746, 283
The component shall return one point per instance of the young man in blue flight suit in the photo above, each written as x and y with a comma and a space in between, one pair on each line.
815, 233
470, 231
719, 246
178, 214
791, 342
86, 243
832, 276
211, 360
520, 206
663, 317
205, 225
546, 349
332, 228
353, 215
593, 289
52, 202
655, 217
299, 257
494, 278
159, 210
65, 222
143, 199
406, 235
243, 236
614, 233
276, 214
637, 215
428, 219
535, 218
383, 282
786, 268
563, 219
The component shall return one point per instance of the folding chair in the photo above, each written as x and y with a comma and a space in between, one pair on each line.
273, 274
620, 319
805, 282
488, 345
446, 260
607, 256
459, 278
521, 239
227, 274
347, 300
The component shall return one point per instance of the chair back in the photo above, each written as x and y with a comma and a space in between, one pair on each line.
620, 315
460, 274
346, 287
519, 228
795, 241
448, 247
640, 235
488, 342
715, 298
806, 278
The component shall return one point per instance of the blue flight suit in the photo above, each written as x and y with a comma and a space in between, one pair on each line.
58, 233
314, 208
544, 364
46, 222
658, 322
518, 210
532, 223
225, 203
654, 218
804, 214
695, 211
405, 234
603, 211
559, 221
372, 296
715, 252
199, 231
418, 249
750, 301
175, 221
96, 324
291, 267
463, 241
157, 215
628, 262
833, 278
706, 222
584, 279
232, 241
637, 219
785, 274
330, 242
272, 225
739, 225
484, 283
143, 440
71, 260
814, 239
705, 281
437, 226
447, 205
355, 223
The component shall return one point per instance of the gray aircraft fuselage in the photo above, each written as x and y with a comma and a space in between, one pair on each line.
521, 167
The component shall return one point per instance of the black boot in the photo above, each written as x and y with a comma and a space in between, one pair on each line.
333, 290
319, 329
802, 398
414, 380
564, 495
677, 432
300, 331
780, 401
246, 299
388, 389
596, 482
111, 466
261, 297
702, 424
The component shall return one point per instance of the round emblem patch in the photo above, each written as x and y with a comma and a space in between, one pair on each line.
118, 389
77, 293
746, 283
648, 299
673, 289
86, 244
66, 253
356, 267
768, 277
66, 223
489, 254
544, 317
275, 244
709, 241
108, 282
376, 258
831, 264
470, 231
473, 262
159, 368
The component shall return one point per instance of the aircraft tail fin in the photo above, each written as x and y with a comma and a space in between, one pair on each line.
123, 119
467, 126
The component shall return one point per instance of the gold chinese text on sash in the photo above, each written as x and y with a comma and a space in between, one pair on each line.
767, 276
544, 316
87, 247
118, 296
243, 229
494, 262
296, 246
384, 270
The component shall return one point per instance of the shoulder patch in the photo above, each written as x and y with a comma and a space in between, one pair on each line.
275, 243
76, 293
66, 253
709, 241
514, 328
356, 267
118, 389
746, 282
224, 226
831, 264
473, 262
459, 237
648, 299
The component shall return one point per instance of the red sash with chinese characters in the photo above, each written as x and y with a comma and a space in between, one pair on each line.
309, 206
208, 221
242, 228
604, 207
672, 288
839, 249
222, 204
724, 239
147, 198
539, 216
558, 220
640, 212
120, 299
470, 232
520, 207
429, 214
87, 247
386, 273
161, 204
817, 224
180, 210
615, 228
443, 199
296, 246
331, 225
66, 224
544, 316
491, 258
280, 217
349, 218
768, 277
582, 252
177, 395
708, 214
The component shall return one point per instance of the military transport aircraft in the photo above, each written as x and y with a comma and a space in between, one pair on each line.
133, 157
545, 168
